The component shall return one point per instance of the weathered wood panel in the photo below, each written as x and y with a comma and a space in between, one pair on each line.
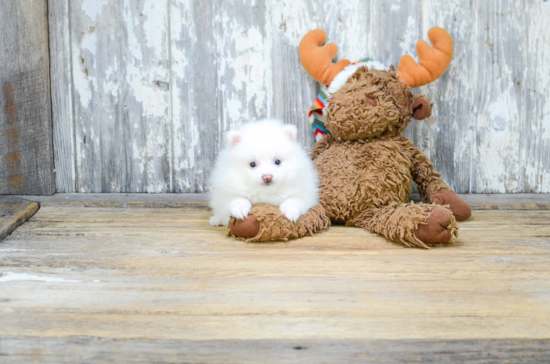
62, 94
90, 350
197, 95
120, 73
536, 90
160, 285
447, 136
156, 85
14, 212
499, 108
26, 153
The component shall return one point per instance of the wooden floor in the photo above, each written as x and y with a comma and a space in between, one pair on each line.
97, 284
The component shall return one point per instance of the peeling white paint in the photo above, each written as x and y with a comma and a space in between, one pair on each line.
234, 110
500, 145
93, 8
292, 19
120, 56
11, 277
410, 37
243, 74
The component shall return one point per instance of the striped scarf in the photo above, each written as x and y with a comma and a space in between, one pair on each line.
315, 112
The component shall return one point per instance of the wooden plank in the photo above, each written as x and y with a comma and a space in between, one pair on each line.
499, 110
536, 87
447, 135
14, 212
25, 116
196, 93
516, 201
103, 283
62, 95
131, 200
513, 201
169, 217
56, 350
100, 141
120, 66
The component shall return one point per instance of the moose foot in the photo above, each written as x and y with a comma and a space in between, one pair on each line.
411, 224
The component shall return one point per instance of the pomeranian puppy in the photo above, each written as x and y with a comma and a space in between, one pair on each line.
262, 163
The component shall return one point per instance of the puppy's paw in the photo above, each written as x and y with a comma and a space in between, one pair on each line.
239, 208
218, 220
291, 210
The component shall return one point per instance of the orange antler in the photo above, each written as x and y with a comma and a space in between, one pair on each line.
433, 62
317, 60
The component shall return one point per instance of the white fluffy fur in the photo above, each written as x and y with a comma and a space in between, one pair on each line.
340, 79
236, 186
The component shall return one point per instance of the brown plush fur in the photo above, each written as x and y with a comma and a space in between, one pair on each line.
362, 174
367, 167
273, 225
349, 116
399, 222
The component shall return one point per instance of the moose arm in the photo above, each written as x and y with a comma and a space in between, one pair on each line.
428, 180
434, 189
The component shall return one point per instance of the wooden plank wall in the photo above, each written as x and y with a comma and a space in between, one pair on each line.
143, 90
26, 150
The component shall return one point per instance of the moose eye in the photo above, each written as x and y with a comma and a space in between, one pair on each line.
253, 164
277, 161
372, 101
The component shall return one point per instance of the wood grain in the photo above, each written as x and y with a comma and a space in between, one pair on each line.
446, 137
62, 95
157, 83
516, 201
197, 94
101, 283
436, 351
500, 108
535, 140
14, 212
26, 151
120, 65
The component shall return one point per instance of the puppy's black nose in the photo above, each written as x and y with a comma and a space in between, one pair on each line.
267, 178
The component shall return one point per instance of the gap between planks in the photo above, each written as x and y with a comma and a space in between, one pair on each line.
521, 201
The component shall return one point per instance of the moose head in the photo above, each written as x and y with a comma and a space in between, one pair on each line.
367, 103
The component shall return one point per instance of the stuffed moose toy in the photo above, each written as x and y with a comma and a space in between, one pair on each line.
366, 167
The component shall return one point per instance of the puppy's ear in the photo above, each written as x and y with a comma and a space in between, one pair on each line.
291, 131
233, 138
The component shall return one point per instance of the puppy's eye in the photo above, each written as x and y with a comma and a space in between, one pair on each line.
253, 164
277, 161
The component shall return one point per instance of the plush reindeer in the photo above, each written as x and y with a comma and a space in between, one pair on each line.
366, 166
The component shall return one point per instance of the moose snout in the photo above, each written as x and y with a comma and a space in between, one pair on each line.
267, 178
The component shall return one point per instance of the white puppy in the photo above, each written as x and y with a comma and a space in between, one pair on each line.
262, 163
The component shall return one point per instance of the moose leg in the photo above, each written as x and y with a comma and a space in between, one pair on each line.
411, 224
460, 209
434, 189
267, 223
